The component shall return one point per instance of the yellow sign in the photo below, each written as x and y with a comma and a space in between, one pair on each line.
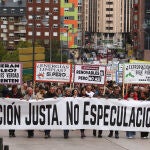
139, 61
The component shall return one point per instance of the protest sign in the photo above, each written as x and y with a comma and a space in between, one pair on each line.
137, 73
52, 72
119, 76
75, 113
94, 74
10, 73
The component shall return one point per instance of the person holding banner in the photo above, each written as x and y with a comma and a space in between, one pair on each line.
144, 97
29, 96
115, 95
100, 94
14, 93
83, 94
50, 94
67, 94
130, 134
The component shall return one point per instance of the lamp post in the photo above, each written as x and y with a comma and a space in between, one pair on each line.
46, 22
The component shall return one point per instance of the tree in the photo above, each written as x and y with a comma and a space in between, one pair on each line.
2, 51
11, 56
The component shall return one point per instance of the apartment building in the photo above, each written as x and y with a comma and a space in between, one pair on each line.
141, 29
69, 23
43, 20
11, 29
106, 21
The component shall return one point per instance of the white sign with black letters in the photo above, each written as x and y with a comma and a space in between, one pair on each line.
53, 72
137, 73
94, 74
10, 73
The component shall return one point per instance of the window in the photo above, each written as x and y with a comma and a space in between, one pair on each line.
38, 9
30, 9
47, 1
30, 1
66, 9
30, 33
11, 19
66, 18
21, 11
5, 10
38, 33
66, 1
12, 11
3, 18
38, 1
55, 34
55, 9
55, 17
109, 3
55, 1
11, 27
55, 25
38, 25
109, 9
46, 34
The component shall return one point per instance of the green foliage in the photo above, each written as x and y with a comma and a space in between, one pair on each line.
2, 51
11, 56
24, 44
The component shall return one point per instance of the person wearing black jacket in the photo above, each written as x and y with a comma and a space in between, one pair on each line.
99, 94
14, 93
115, 95
50, 94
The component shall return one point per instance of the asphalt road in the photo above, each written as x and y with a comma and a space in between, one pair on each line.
74, 142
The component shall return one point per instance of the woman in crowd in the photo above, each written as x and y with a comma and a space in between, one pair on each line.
131, 93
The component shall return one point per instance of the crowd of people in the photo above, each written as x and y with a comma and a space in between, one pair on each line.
39, 91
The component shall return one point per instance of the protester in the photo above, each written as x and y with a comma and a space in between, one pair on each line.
14, 93
131, 97
99, 94
83, 94
50, 94
115, 95
29, 96
67, 94
144, 97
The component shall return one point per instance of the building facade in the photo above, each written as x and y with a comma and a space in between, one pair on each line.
11, 29
106, 21
141, 29
37, 12
69, 23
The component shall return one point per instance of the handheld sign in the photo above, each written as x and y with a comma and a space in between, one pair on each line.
10, 73
52, 72
94, 74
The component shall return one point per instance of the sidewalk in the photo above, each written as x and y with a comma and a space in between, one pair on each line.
57, 142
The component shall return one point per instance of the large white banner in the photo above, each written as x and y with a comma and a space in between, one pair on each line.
137, 73
53, 72
75, 113
10, 73
93, 74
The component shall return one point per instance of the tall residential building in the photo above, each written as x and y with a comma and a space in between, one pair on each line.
106, 21
141, 29
11, 29
69, 23
37, 28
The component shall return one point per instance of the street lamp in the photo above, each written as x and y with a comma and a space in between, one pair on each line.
46, 21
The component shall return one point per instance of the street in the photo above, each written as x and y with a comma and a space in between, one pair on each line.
74, 142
